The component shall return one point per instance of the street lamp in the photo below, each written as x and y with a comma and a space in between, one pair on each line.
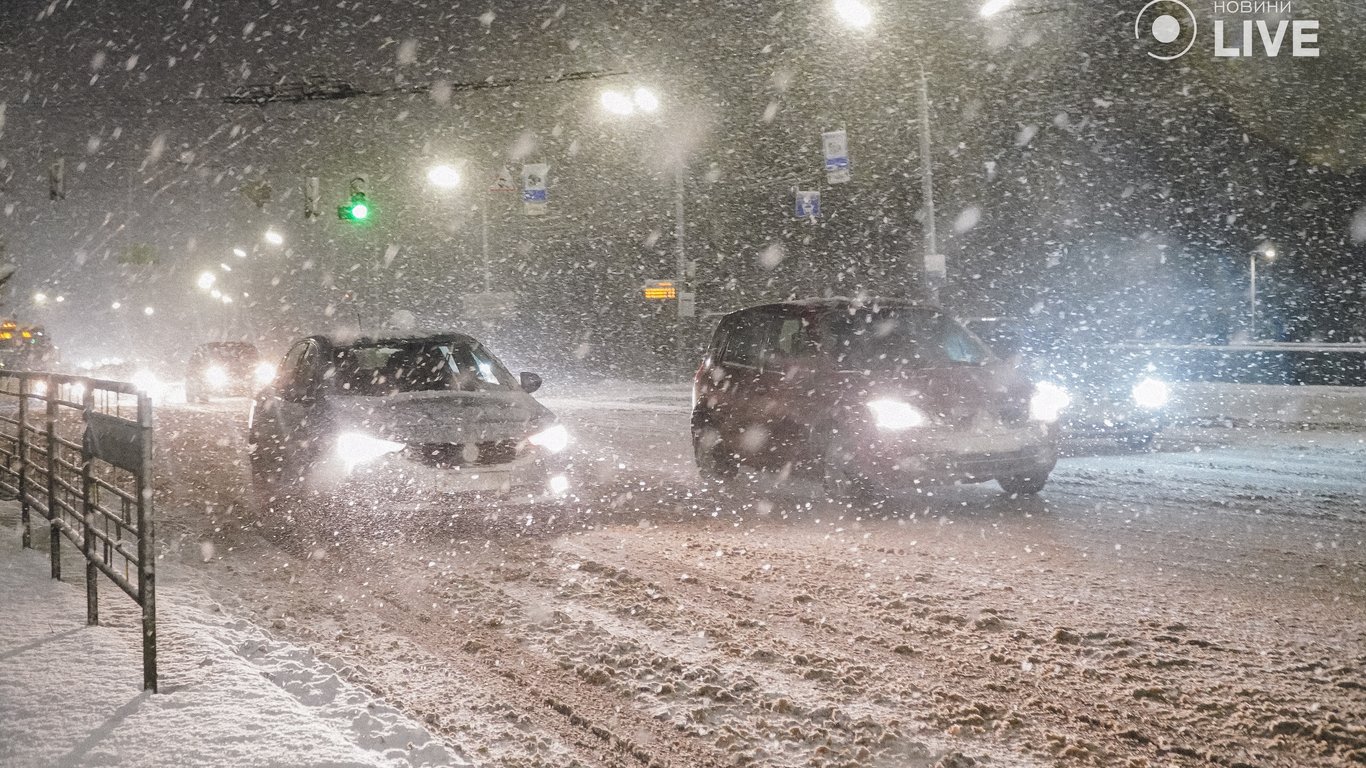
206, 280
446, 177
644, 100
274, 238
1268, 252
854, 13
40, 298
443, 177
239, 253
858, 16
992, 7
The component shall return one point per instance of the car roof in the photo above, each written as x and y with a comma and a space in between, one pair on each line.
840, 303
337, 340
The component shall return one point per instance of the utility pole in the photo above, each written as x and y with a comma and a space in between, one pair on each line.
932, 267
680, 266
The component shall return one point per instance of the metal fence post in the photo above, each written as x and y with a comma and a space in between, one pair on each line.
54, 531
147, 595
92, 573
24, 510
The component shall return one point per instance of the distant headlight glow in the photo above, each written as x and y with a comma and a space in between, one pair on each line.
355, 448
1152, 393
265, 373
216, 376
553, 439
894, 415
558, 484
1048, 402
148, 383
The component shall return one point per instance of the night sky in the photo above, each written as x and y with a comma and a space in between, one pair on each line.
1079, 182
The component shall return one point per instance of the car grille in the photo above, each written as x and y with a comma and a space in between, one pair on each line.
446, 455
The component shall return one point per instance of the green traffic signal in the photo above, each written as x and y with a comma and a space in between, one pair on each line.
356, 210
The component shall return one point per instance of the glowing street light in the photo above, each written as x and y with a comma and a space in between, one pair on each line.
616, 103
116, 305
992, 7
239, 253
443, 176
215, 293
206, 280
40, 298
274, 238
646, 100
854, 13
148, 311
1268, 252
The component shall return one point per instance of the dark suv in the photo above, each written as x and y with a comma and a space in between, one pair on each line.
871, 394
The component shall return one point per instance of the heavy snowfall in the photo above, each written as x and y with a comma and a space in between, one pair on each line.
471, 332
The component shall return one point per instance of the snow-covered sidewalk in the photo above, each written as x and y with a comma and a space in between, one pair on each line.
230, 694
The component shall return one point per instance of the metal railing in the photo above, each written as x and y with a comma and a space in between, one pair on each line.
78, 452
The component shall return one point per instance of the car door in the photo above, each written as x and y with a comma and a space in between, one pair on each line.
268, 427
743, 421
301, 405
792, 384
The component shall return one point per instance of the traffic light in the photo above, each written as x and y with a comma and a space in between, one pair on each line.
355, 210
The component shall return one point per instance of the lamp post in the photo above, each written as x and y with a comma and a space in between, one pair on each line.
1269, 252
447, 177
857, 15
644, 100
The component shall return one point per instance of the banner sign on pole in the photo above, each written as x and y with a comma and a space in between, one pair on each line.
808, 204
534, 197
836, 146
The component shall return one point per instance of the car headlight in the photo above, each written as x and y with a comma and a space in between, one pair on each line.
1152, 393
216, 376
265, 373
894, 415
553, 439
1048, 402
355, 448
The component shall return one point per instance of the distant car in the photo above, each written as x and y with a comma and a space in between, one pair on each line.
225, 369
403, 422
1114, 393
871, 395
27, 348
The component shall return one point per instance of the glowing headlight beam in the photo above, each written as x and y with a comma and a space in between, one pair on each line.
894, 415
355, 449
1151, 393
553, 439
1048, 402
265, 373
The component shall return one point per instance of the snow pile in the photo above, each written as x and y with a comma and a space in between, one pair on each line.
231, 695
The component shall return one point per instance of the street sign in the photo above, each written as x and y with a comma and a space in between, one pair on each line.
687, 304
808, 204
836, 146
659, 290
534, 193
503, 182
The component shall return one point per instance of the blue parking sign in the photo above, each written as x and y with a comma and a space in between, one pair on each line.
808, 204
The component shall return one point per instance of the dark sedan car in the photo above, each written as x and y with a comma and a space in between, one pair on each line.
404, 421
874, 394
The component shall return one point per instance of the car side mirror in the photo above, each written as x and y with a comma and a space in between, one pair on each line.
530, 381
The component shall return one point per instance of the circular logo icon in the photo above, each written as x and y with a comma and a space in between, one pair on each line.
1167, 27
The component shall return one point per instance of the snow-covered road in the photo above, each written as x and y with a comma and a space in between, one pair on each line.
1199, 605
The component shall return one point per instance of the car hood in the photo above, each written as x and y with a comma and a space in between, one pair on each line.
442, 417
952, 393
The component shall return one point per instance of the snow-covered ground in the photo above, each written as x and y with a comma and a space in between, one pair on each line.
1198, 605
231, 693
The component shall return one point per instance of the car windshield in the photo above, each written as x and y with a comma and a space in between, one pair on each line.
386, 368
892, 338
231, 353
